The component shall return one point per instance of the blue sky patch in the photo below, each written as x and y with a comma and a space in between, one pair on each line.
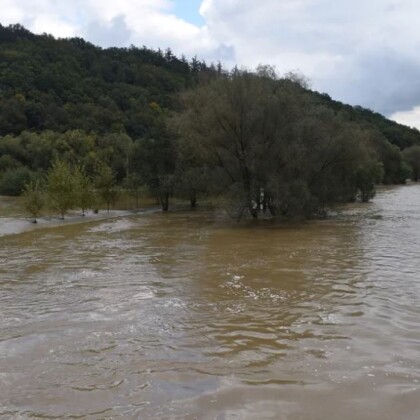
188, 10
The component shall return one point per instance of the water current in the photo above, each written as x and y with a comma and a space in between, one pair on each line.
189, 315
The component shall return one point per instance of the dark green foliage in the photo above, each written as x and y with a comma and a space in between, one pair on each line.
412, 158
12, 182
366, 177
105, 184
397, 134
84, 190
273, 147
68, 84
115, 150
61, 187
390, 157
34, 198
154, 159
8, 162
133, 184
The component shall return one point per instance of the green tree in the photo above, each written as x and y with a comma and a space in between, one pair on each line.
133, 184
12, 182
84, 190
61, 187
34, 199
367, 176
411, 156
115, 150
192, 174
105, 183
155, 160
271, 146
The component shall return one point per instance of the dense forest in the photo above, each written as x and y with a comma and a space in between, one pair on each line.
76, 119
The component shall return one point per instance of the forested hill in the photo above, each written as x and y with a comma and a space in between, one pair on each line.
398, 134
65, 84
90, 121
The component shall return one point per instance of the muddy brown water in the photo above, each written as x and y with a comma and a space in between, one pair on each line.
186, 315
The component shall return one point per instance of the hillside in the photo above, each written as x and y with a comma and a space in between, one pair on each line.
64, 84
139, 118
398, 134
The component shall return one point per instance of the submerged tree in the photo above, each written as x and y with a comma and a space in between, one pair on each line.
272, 147
105, 183
192, 175
155, 160
34, 199
84, 190
133, 184
61, 187
367, 176
411, 156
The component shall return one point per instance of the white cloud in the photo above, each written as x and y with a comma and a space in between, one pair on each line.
410, 118
360, 51
149, 22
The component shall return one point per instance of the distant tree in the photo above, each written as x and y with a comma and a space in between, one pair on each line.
84, 190
133, 184
105, 183
12, 182
155, 160
34, 198
61, 187
115, 150
191, 182
8, 162
192, 176
299, 78
367, 176
411, 156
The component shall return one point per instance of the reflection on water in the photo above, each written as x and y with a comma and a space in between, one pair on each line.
186, 315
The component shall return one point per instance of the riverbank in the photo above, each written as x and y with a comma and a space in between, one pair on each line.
13, 221
13, 226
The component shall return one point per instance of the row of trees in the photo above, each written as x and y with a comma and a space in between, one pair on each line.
258, 142
65, 187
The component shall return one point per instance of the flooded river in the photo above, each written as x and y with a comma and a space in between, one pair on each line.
187, 315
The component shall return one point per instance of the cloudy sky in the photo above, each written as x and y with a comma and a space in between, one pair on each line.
363, 52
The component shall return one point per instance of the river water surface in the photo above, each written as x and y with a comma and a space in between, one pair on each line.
187, 315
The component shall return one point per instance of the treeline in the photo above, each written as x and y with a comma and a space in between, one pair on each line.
182, 128
64, 187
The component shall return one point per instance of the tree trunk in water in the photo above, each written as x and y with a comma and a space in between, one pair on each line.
271, 208
165, 202
193, 201
254, 211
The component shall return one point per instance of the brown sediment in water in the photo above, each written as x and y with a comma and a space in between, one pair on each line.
187, 315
